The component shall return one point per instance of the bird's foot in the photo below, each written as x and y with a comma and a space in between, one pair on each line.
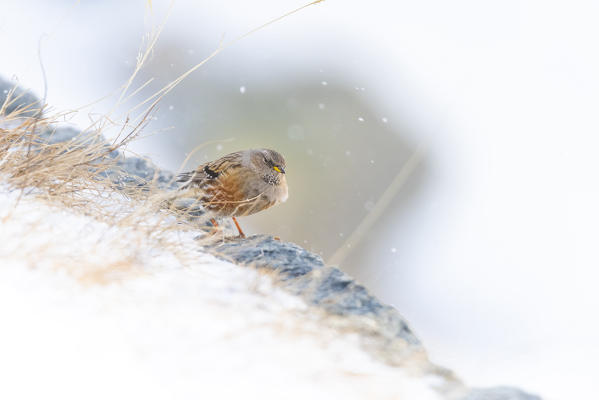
241, 234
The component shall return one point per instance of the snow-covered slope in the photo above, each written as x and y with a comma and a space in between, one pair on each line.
94, 311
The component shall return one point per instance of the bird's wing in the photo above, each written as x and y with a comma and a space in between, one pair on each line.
210, 170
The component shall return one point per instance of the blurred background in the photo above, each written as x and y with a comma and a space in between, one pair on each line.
484, 112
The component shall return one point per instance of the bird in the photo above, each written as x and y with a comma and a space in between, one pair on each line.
238, 184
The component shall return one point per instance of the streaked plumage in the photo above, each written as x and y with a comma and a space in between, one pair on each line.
239, 184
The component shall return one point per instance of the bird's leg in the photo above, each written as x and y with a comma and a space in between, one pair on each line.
214, 227
241, 234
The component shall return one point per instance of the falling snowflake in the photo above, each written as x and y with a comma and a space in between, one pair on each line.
295, 132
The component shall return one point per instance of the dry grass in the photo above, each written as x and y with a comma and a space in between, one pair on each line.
73, 175
82, 175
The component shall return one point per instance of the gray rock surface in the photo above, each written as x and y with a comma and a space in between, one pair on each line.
19, 99
139, 173
299, 271
305, 274
127, 171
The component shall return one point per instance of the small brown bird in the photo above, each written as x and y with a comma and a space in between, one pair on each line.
238, 184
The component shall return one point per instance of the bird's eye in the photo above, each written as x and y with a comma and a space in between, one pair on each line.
276, 168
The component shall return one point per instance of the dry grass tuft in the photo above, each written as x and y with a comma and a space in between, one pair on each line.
82, 175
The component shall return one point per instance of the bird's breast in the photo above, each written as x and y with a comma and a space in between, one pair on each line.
281, 191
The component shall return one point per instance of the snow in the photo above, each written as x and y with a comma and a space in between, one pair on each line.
97, 311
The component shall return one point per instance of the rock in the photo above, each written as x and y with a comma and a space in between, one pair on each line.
136, 167
305, 274
263, 251
20, 99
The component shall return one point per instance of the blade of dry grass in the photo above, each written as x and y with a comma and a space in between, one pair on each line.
379, 209
156, 97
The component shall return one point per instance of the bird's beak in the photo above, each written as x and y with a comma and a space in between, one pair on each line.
279, 169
